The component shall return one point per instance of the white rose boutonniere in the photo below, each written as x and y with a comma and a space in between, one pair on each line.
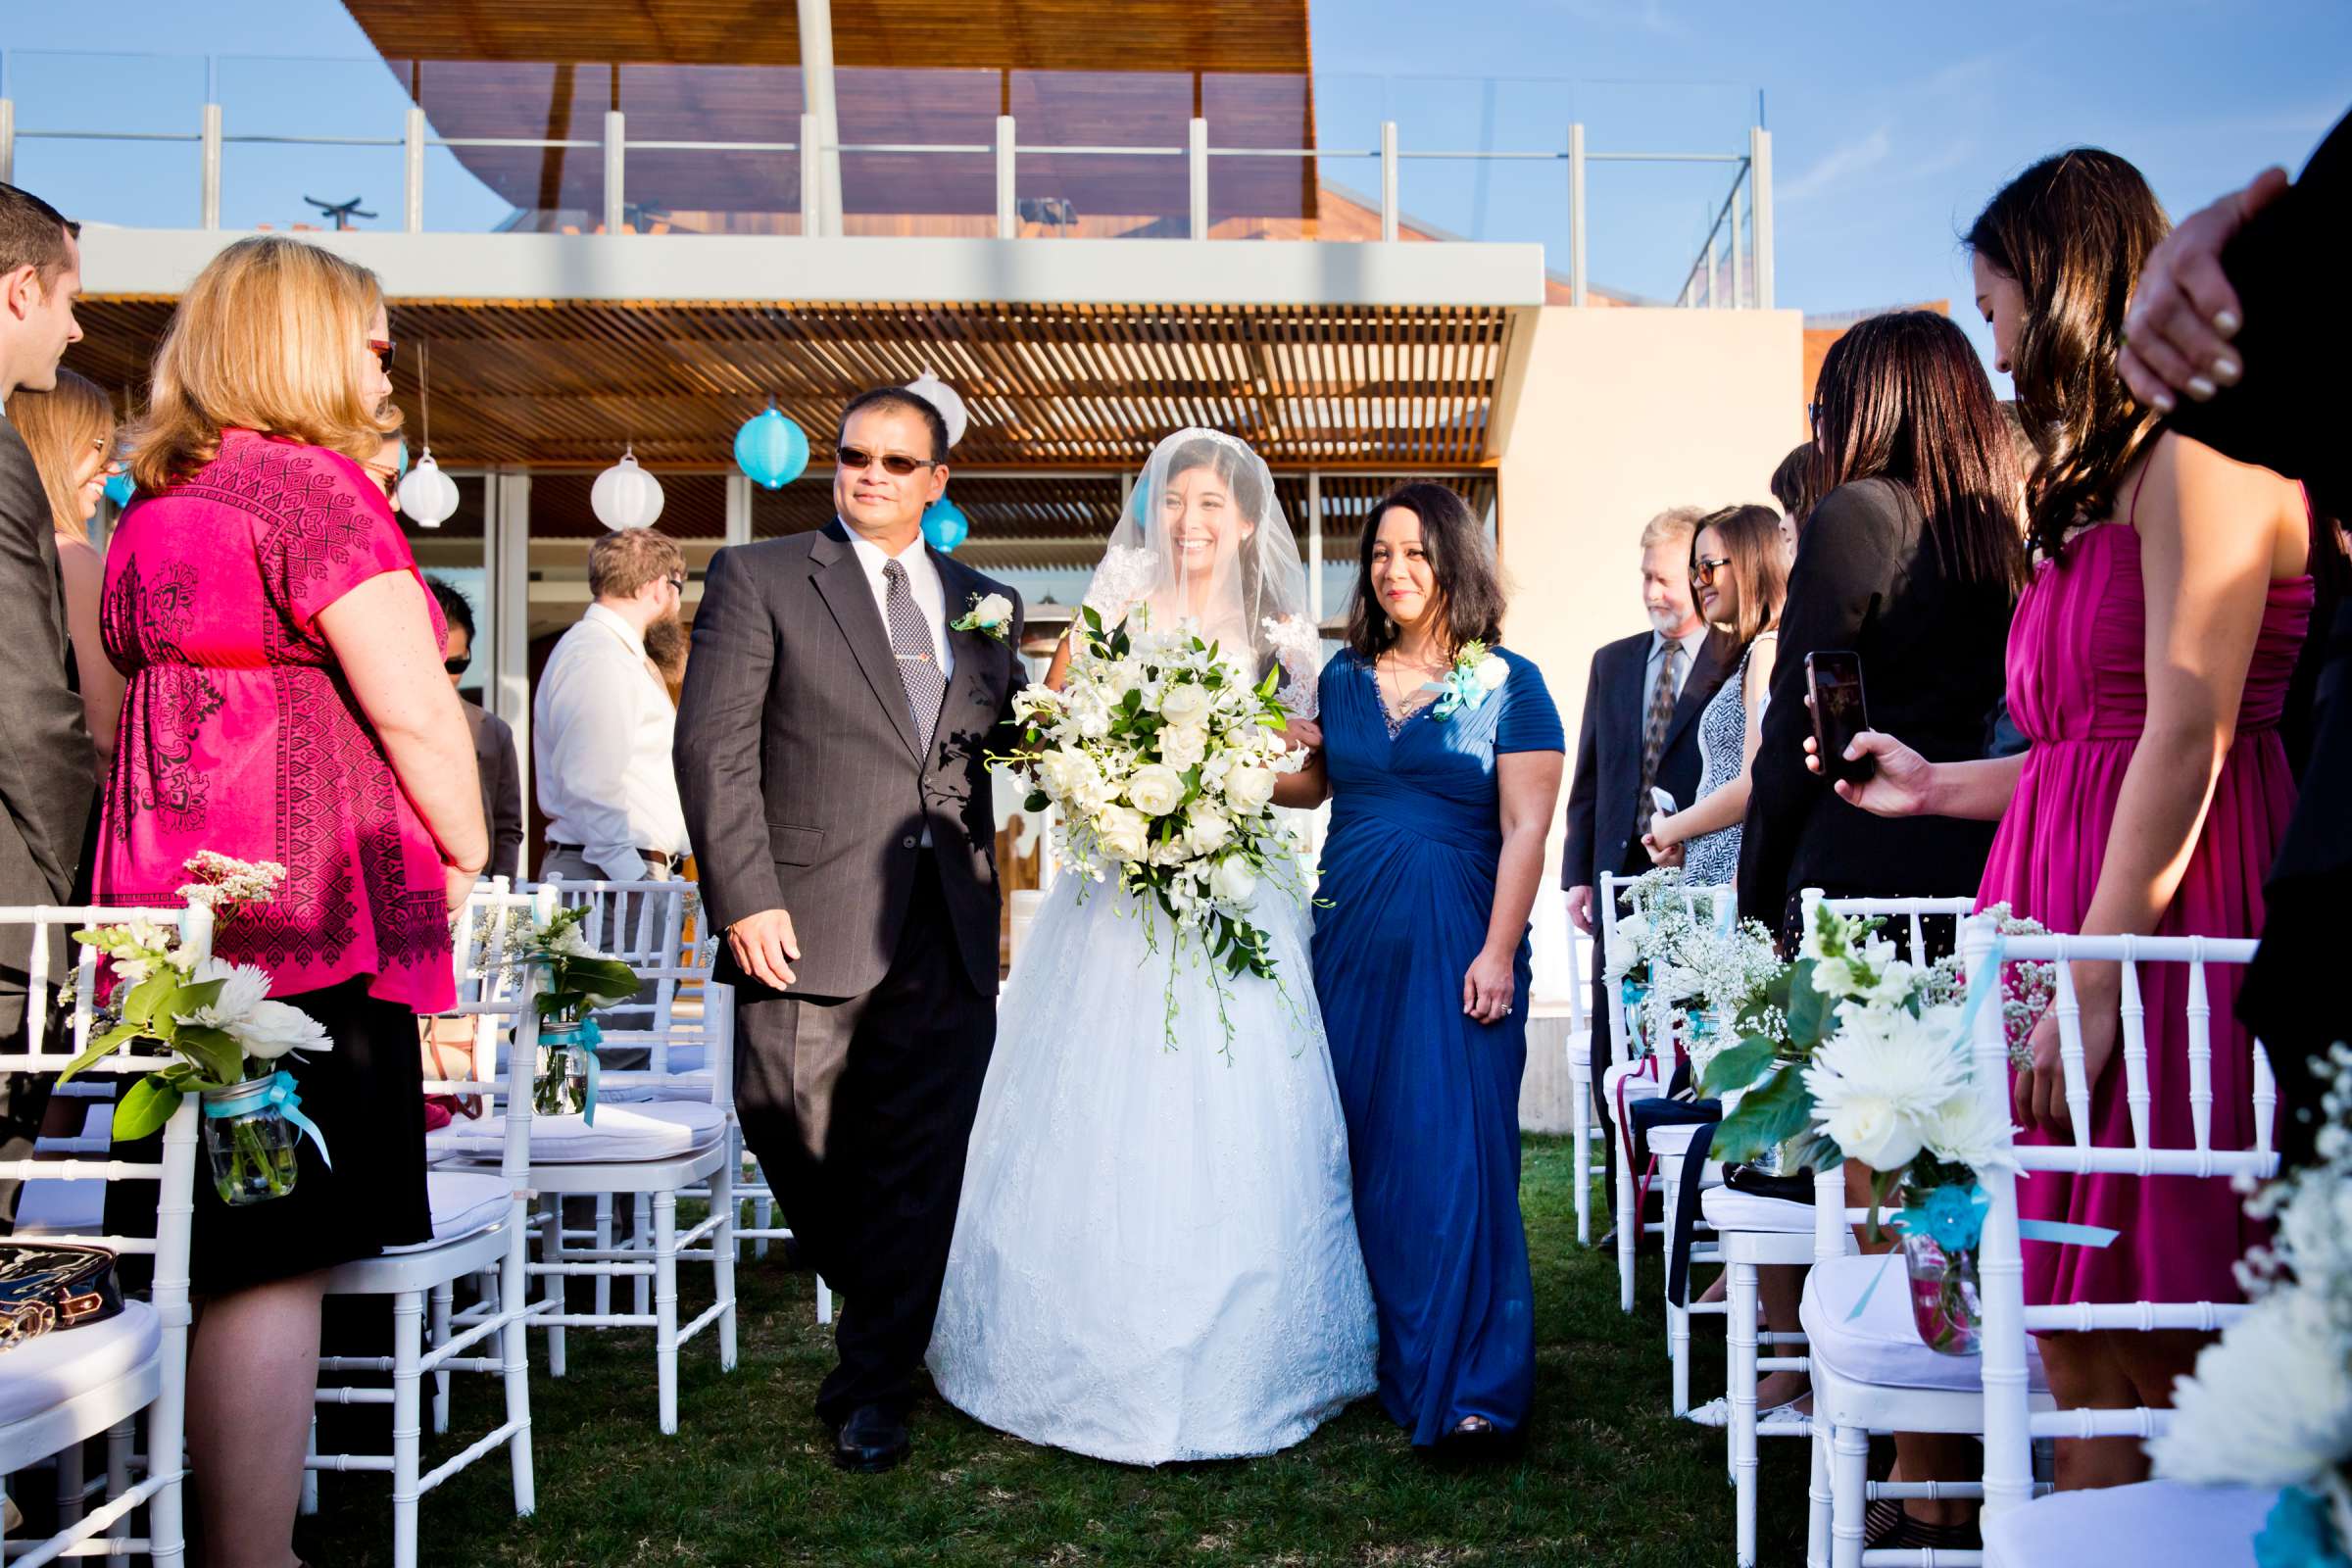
990, 614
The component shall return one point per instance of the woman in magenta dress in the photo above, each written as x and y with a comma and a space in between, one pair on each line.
286, 702
2148, 665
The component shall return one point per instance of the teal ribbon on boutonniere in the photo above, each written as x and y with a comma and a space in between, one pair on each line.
282, 1095
583, 1037
1478, 673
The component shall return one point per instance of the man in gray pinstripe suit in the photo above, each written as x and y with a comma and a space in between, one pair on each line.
831, 755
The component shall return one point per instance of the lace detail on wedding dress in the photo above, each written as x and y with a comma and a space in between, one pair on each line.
1155, 1255
1299, 647
1121, 582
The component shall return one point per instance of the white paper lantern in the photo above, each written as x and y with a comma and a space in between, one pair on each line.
427, 496
626, 496
943, 397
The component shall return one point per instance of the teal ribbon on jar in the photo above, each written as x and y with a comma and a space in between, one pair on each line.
279, 1091
1631, 994
582, 1038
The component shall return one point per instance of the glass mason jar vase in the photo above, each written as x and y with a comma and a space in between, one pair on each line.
248, 1143
1945, 1303
561, 1087
1635, 996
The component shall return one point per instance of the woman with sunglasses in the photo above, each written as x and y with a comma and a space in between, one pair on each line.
1740, 576
286, 702
70, 430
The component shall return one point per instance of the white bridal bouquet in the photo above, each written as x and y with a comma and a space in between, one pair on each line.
1162, 755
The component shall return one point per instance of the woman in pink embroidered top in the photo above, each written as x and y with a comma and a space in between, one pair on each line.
286, 702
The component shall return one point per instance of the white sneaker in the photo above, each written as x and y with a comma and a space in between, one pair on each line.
1781, 1419
1716, 1412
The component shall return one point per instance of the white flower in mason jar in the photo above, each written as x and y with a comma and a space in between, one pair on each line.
1233, 881
1249, 790
1966, 1131
243, 988
1879, 1077
2270, 1404
1835, 977
1184, 746
1185, 705
1154, 789
274, 1028
1123, 833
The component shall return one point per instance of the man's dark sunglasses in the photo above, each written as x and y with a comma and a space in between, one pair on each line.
458, 666
896, 462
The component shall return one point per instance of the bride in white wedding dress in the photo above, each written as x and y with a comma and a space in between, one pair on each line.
1155, 1255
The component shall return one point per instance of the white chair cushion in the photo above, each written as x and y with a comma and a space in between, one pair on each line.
2155, 1524
1580, 1047
464, 1202
43, 1373
1638, 1084
1672, 1141
1882, 1346
694, 1087
1729, 1209
661, 1130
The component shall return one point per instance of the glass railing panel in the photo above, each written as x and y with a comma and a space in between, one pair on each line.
84, 127
492, 111
1090, 195
671, 189
932, 192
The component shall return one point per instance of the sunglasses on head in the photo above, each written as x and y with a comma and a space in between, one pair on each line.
858, 459
383, 348
1704, 568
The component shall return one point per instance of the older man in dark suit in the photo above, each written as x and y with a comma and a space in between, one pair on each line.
831, 754
46, 761
1642, 707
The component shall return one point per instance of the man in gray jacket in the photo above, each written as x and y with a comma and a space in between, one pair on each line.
46, 762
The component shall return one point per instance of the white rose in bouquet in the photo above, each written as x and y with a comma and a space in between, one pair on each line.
273, 1028
1206, 829
1184, 706
1250, 789
1123, 833
1089, 711
1232, 880
1185, 745
1154, 789
1122, 677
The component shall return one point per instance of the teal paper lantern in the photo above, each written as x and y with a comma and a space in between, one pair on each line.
945, 525
771, 449
121, 487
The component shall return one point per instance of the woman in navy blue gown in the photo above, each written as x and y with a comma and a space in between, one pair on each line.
1442, 768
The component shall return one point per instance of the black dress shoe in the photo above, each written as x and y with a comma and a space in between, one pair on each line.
870, 1442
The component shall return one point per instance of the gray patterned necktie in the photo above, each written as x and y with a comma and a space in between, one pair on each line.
917, 656
1662, 700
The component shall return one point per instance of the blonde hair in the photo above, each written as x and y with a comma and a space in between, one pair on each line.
58, 426
265, 339
1675, 525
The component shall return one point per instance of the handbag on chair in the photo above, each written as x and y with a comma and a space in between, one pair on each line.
46, 1285
447, 1044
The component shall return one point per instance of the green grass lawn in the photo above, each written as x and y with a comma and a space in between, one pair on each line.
1608, 1477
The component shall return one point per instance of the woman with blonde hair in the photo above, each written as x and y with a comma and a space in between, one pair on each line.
70, 430
286, 701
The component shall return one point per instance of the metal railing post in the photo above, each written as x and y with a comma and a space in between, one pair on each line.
8, 141
1315, 545
1009, 217
412, 145
1712, 298
616, 161
1387, 180
1575, 214
813, 181
1739, 255
1759, 173
208, 204
1196, 155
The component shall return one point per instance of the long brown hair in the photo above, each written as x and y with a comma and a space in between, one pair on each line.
59, 426
262, 340
2073, 231
1902, 397
1469, 591
1757, 565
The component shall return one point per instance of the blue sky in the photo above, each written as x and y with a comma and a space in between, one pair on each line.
1892, 121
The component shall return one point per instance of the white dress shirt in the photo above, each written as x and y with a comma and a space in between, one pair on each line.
1682, 676
601, 732
922, 583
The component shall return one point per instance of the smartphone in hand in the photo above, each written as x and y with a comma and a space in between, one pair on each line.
1661, 802
1834, 680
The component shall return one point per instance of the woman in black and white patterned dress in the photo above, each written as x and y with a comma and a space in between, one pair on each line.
1740, 574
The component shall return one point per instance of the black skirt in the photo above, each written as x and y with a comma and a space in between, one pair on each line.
367, 1095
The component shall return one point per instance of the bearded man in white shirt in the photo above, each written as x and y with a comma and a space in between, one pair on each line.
602, 724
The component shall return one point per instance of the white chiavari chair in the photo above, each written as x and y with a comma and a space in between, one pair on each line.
482, 1225
1871, 1375
68, 1386
1631, 1075
1756, 1232
660, 1133
1562, 987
